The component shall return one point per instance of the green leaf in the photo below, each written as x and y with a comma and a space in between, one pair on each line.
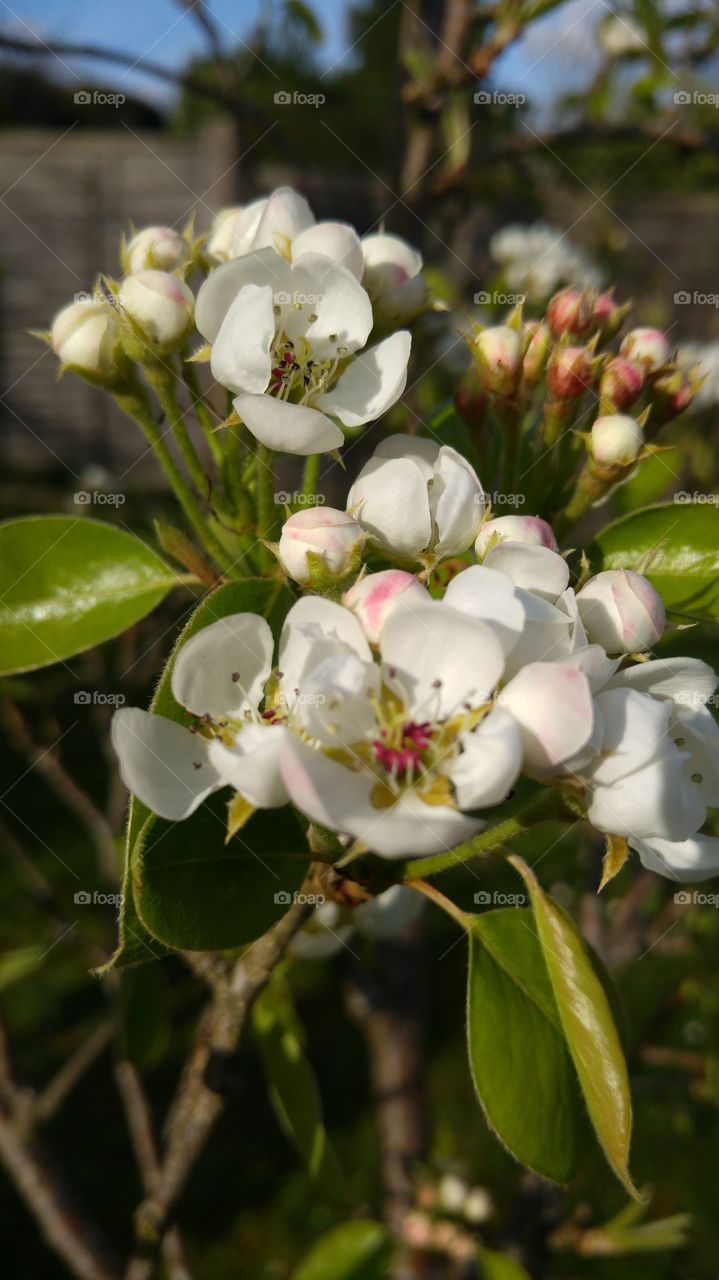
17, 964
252, 595
588, 1025
67, 584
293, 1087
359, 1250
497, 1266
676, 546
194, 892
520, 1065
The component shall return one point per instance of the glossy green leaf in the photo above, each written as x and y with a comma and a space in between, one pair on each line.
359, 1250
253, 595
194, 892
497, 1266
588, 1025
67, 584
293, 1087
676, 546
521, 1069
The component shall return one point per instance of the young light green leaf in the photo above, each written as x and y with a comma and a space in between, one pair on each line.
520, 1065
69, 583
497, 1266
359, 1250
293, 1087
588, 1026
676, 546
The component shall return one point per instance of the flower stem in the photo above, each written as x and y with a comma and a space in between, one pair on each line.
135, 402
549, 805
265, 482
463, 918
204, 416
593, 483
310, 477
163, 379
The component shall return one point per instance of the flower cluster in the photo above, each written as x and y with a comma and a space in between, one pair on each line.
539, 258
399, 720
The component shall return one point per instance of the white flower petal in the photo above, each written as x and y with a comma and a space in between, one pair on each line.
552, 705
340, 306
694, 859
241, 353
165, 765
489, 764
389, 260
222, 286
635, 726
335, 240
313, 630
535, 569
687, 680
337, 696
222, 671
438, 660
252, 764
492, 597
390, 500
371, 383
420, 449
285, 216
547, 635
655, 800
289, 428
457, 503
593, 661
390, 913
341, 798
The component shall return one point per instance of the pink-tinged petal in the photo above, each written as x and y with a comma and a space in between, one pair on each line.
552, 705
533, 568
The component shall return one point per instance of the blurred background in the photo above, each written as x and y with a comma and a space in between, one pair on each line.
521, 145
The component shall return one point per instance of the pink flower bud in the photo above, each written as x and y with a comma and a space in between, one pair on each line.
615, 440
537, 352
674, 392
621, 611
646, 347
530, 530
332, 535
160, 305
571, 312
608, 314
86, 338
377, 595
499, 351
158, 247
570, 373
621, 383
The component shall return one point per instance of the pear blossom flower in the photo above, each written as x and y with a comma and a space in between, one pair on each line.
417, 499
283, 221
332, 536
374, 597
622, 611
287, 338
530, 530
393, 278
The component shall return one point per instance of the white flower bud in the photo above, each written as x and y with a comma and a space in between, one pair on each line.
161, 306
499, 351
158, 247
86, 337
377, 595
452, 1193
334, 536
615, 440
233, 230
622, 611
530, 530
646, 347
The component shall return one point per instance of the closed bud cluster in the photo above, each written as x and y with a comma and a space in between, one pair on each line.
571, 312
621, 383
499, 354
570, 372
320, 543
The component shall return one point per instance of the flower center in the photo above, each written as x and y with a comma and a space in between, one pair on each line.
399, 747
296, 375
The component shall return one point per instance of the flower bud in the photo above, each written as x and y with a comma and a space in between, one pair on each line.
570, 372
320, 538
621, 383
156, 247
674, 392
374, 597
499, 352
615, 440
161, 307
85, 337
530, 530
621, 611
537, 352
646, 347
469, 399
608, 314
571, 312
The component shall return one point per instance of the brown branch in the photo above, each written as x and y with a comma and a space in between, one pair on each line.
197, 1105
49, 1101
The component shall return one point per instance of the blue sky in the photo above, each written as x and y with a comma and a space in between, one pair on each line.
556, 55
